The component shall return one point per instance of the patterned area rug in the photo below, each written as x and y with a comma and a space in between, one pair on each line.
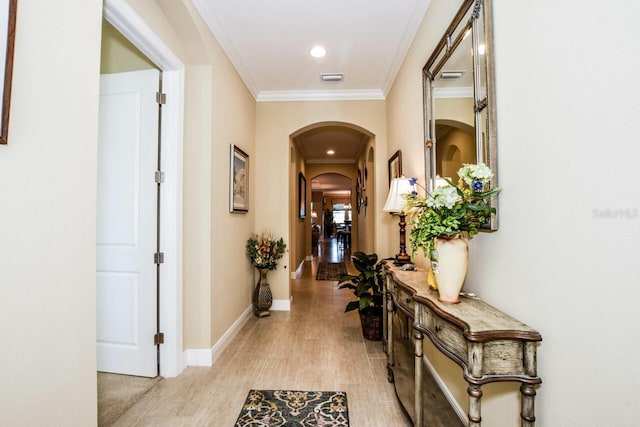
330, 270
294, 408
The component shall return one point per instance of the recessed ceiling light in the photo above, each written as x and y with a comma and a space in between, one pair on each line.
318, 52
331, 152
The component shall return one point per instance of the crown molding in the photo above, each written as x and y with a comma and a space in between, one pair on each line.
419, 10
203, 7
453, 92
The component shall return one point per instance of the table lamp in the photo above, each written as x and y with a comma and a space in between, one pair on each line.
396, 204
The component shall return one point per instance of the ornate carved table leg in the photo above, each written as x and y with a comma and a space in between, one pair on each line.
418, 377
389, 324
528, 398
527, 392
475, 393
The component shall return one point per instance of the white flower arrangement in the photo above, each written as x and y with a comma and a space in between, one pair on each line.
449, 209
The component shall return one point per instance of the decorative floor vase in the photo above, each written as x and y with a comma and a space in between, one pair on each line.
453, 260
262, 297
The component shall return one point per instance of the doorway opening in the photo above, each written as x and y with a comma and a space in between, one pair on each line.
456, 146
326, 152
123, 18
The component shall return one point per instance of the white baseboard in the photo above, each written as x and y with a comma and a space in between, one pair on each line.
281, 305
206, 357
445, 390
298, 271
196, 357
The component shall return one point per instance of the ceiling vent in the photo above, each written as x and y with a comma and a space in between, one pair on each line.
451, 75
333, 77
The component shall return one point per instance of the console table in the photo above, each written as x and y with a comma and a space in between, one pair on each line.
488, 344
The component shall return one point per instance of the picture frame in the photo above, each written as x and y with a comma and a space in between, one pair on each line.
238, 181
302, 196
395, 166
8, 10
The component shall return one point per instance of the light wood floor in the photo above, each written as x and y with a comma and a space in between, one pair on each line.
315, 346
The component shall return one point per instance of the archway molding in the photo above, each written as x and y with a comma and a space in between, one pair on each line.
300, 228
325, 124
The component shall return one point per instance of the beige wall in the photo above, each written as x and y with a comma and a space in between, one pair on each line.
455, 149
458, 109
300, 235
233, 118
48, 218
371, 213
562, 260
569, 214
118, 55
275, 122
219, 111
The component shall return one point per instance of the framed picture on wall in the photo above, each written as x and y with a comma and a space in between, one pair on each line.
395, 166
7, 38
302, 195
238, 181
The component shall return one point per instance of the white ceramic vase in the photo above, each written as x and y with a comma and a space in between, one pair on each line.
453, 260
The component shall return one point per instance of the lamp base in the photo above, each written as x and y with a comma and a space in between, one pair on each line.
402, 259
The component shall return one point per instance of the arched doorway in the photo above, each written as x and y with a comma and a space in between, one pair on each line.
331, 202
455, 146
327, 149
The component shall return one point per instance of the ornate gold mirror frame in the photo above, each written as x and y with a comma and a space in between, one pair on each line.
459, 98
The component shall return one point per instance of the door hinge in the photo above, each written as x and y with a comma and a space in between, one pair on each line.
159, 177
161, 98
158, 258
158, 338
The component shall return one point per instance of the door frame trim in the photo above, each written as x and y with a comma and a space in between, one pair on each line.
119, 14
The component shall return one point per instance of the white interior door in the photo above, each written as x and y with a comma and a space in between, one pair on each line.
127, 223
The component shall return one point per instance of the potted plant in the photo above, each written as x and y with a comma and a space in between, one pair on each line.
442, 220
367, 287
264, 252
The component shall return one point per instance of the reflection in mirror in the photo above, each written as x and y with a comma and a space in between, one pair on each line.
459, 104
456, 146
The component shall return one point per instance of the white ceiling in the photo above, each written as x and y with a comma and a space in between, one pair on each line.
268, 42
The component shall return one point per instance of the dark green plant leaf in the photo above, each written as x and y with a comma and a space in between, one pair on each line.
353, 305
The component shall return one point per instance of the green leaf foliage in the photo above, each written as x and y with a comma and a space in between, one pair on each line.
444, 212
367, 285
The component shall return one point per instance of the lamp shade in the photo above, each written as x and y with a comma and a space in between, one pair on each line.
396, 201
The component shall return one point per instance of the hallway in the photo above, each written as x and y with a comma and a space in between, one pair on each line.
315, 346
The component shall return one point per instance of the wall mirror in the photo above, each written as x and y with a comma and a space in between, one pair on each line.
459, 98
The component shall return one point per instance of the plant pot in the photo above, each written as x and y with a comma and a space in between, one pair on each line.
372, 330
262, 298
451, 270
